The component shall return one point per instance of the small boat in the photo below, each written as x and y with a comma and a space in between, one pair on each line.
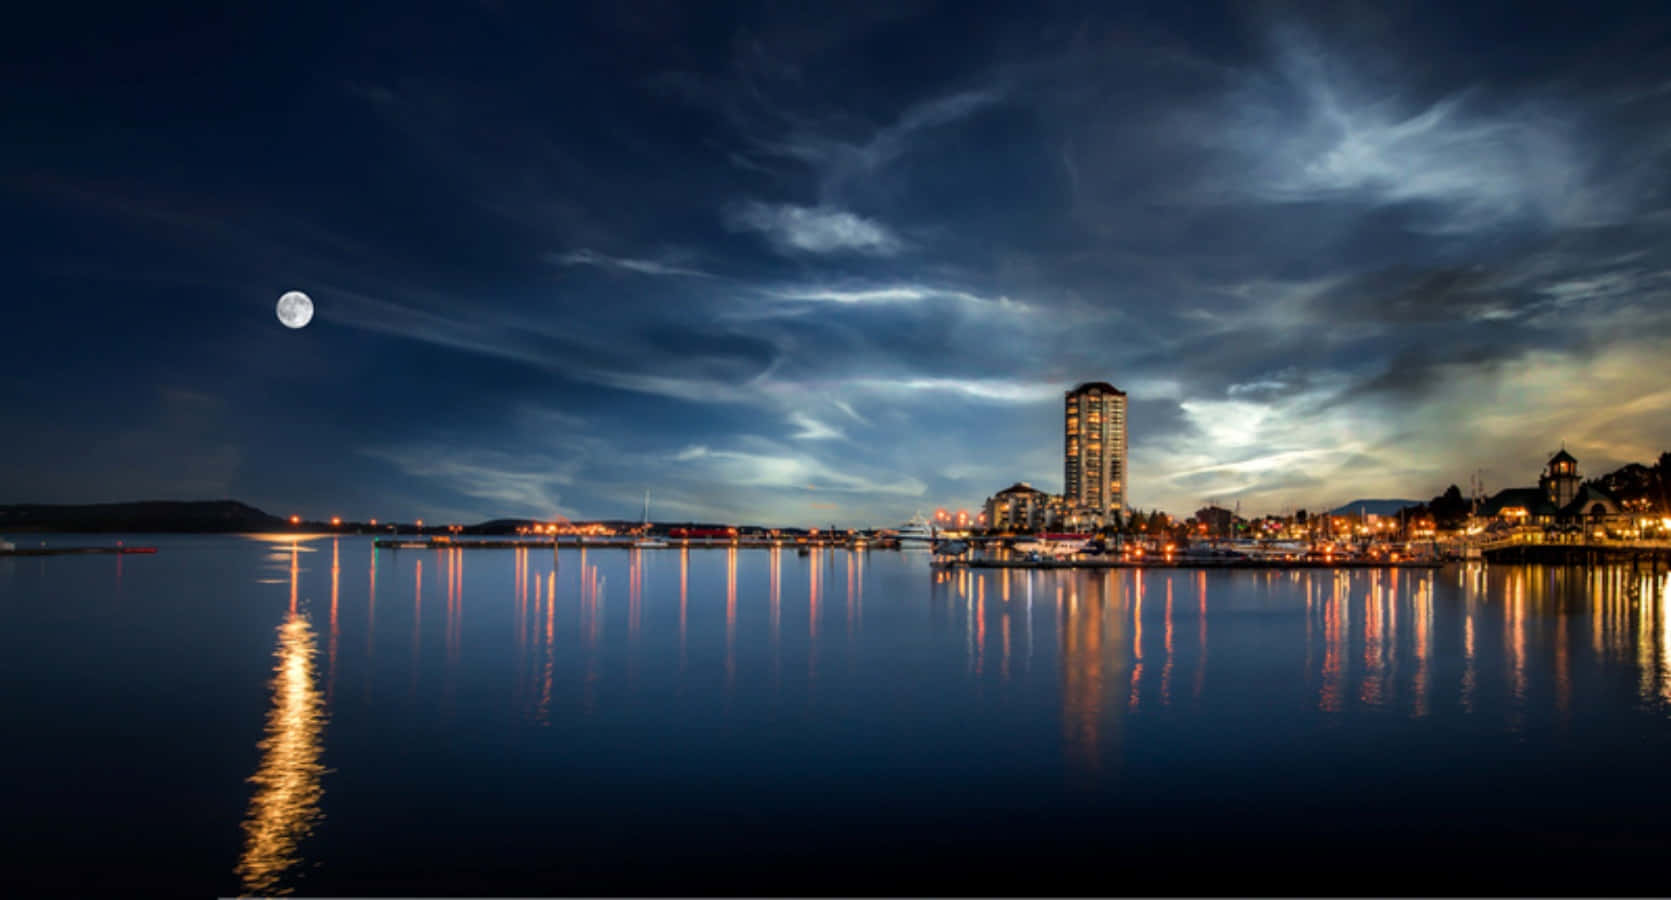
951, 548
649, 544
134, 549
7, 545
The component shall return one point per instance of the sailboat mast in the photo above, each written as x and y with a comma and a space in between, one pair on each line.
646, 506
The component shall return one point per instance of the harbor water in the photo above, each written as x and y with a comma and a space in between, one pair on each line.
267, 714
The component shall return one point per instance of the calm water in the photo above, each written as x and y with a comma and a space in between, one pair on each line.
238, 715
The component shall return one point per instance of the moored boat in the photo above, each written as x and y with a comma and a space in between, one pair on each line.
916, 532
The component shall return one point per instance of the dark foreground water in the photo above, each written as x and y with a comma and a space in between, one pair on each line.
238, 715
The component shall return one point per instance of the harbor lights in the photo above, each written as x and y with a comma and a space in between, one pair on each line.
336, 521
295, 520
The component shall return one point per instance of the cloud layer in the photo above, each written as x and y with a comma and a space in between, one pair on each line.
780, 268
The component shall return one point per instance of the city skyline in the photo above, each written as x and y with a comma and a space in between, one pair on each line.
557, 259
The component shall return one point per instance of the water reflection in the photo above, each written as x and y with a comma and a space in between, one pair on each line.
371, 621
814, 577
417, 622
1334, 651
543, 716
1136, 644
731, 616
774, 611
1090, 644
1370, 687
1521, 648
285, 806
1201, 617
1166, 666
336, 589
1424, 641
684, 602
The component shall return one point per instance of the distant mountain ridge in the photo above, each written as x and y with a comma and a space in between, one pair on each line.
1373, 507
144, 515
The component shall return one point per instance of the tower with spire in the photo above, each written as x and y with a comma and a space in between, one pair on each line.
1561, 481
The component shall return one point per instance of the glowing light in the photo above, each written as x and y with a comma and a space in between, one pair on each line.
336, 521
295, 520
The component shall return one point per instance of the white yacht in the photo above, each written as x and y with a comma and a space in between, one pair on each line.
917, 532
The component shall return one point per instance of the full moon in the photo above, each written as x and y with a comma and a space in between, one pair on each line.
295, 309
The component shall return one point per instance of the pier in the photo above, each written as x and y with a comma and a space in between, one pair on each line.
620, 543
1561, 550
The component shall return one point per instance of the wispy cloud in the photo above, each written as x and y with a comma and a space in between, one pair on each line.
895, 293
840, 160
990, 390
807, 229
585, 257
512, 484
1320, 129
782, 470
813, 430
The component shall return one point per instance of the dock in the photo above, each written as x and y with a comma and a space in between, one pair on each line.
1533, 548
616, 543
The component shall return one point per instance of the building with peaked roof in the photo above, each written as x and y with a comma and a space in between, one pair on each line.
1560, 497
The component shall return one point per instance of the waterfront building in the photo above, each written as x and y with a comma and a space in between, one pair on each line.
1019, 507
1561, 497
1094, 452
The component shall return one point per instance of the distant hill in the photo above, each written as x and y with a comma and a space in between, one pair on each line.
1373, 507
1636, 482
147, 515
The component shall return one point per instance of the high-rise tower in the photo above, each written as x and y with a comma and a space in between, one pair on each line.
1094, 449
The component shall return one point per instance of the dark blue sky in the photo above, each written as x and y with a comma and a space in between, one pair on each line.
800, 266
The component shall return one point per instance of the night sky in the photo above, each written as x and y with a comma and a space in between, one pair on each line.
792, 267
